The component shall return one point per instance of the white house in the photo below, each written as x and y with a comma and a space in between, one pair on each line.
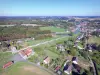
13, 49
60, 47
46, 60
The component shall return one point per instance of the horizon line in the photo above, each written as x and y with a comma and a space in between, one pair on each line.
46, 15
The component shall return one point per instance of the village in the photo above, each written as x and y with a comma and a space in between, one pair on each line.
57, 57
55, 50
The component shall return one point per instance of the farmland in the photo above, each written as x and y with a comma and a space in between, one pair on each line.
53, 29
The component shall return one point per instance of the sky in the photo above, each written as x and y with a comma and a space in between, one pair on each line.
49, 7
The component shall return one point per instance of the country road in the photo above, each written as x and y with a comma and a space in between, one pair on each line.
42, 43
94, 70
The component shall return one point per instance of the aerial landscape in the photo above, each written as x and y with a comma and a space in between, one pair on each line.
49, 37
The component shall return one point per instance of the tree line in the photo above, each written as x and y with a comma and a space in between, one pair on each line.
18, 32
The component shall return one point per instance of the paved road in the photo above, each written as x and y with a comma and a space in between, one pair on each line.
17, 58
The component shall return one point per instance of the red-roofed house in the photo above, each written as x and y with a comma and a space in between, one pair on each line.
8, 64
26, 53
57, 68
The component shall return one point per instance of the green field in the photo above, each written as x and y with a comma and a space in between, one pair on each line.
4, 58
94, 39
22, 68
53, 29
51, 54
33, 42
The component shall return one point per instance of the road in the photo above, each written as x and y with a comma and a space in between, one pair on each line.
16, 57
94, 71
92, 64
42, 43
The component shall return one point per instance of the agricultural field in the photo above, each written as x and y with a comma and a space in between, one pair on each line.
22, 68
94, 39
53, 29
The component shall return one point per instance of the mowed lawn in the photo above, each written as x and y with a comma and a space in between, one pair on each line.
33, 42
53, 29
22, 68
4, 58
51, 54
94, 40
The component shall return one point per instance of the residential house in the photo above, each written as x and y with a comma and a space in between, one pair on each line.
79, 47
59, 72
77, 68
90, 49
47, 60
75, 60
53, 34
57, 68
60, 47
13, 49
67, 69
26, 53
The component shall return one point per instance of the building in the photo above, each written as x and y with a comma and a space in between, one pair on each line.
75, 60
67, 69
26, 53
46, 60
57, 68
13, 49
60, 47
59, 72
77, 68
8, 64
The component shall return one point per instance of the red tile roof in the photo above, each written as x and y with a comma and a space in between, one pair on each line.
57, 68
8, 64
26, 52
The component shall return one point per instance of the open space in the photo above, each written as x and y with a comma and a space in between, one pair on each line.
23, 68
94, 39
53, 29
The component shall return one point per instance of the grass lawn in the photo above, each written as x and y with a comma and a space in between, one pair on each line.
94, 39
51, 54
80, 45
33, 42
22, 68
4, 58
53, 29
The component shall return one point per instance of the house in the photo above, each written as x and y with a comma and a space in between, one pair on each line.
57, 68
26, 53
75, 44
90, 49
13, 49
75, 60
67, 69
77, 67
8, 64
53, 34
59, 72
79, 47
46, 60
60, 47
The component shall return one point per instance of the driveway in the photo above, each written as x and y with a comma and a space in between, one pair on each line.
17, 58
